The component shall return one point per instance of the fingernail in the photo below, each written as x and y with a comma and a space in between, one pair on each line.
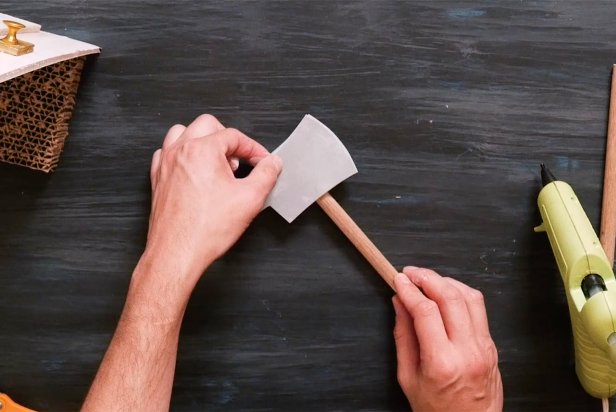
234, 163
402, 278
277, 162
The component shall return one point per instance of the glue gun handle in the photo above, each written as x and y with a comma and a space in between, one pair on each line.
358, 238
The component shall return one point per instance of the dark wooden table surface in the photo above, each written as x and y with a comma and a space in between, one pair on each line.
447, 108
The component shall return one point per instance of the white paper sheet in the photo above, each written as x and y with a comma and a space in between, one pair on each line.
315, 161
48, 49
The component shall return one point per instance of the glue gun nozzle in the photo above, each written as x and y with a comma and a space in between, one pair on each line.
546, 176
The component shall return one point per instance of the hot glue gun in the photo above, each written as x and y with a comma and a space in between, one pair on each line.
589, 284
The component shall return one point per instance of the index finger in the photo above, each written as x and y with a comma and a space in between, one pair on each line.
203, 125
451, 302
476, 307
237, 144
427, 320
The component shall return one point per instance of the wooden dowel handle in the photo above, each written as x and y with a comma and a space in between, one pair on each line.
608, 209
358, 238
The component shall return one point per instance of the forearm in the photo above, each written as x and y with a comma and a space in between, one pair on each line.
137, 371
199, 210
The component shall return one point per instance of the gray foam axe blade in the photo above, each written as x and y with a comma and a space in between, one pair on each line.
315, 161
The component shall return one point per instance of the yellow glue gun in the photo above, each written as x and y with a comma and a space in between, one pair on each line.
589, 284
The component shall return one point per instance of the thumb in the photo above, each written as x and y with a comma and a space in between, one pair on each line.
264, 175
155, 167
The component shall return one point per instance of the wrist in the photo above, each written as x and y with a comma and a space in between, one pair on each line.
187, 257
160, 287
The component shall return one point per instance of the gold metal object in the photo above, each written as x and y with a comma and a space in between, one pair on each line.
9, 44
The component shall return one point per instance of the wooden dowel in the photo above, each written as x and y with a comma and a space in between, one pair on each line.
608, 209
365, 246
607, 233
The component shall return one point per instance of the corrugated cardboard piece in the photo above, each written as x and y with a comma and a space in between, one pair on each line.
37, 96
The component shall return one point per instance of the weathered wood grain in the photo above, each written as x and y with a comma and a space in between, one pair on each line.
447, 108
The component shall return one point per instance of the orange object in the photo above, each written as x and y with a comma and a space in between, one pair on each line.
8, 405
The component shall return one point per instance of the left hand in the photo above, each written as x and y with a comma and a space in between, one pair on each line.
199, 208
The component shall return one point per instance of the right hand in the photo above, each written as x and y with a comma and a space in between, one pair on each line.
447, 360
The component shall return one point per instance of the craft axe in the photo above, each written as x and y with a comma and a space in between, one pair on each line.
315, 161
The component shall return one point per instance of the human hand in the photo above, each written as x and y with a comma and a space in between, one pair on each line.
199, 208
447, 360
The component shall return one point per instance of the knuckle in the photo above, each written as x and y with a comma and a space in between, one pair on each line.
189, 149
442, 371
430, 272
479, 365
233, 131
452, 293
492, 353
186, 146
482, 361
426, 308
475, 296
207, 118
177, 126
228, 135
426, 274
173, 132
